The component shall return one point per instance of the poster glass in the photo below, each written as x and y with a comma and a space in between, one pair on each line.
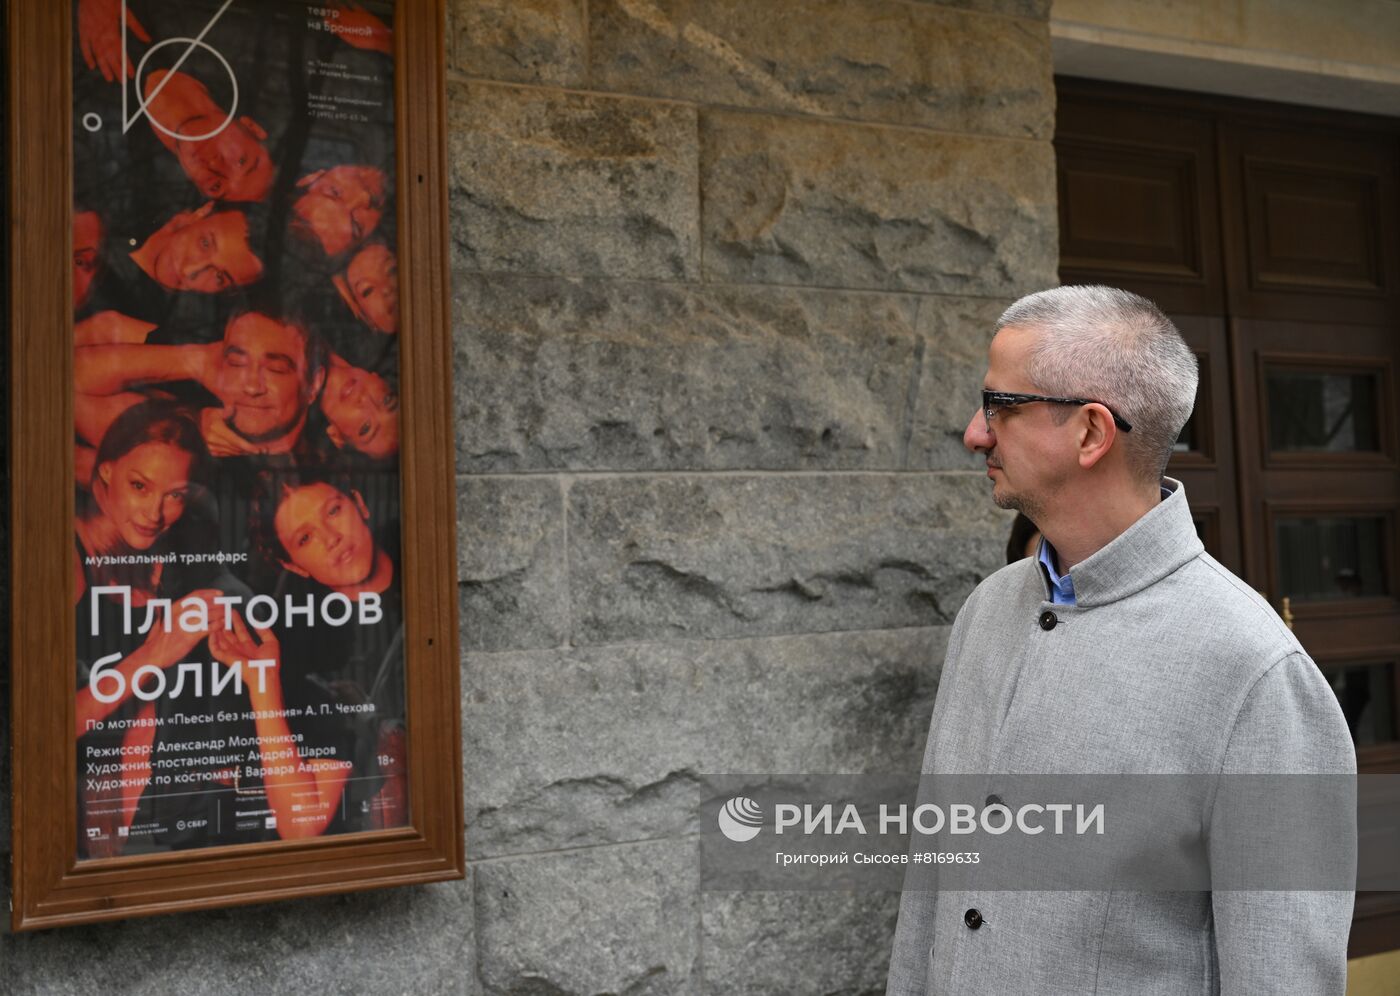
236, 544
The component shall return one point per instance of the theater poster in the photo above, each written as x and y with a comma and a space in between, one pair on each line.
236, 554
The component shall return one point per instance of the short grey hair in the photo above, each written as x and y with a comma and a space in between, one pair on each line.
1117, 348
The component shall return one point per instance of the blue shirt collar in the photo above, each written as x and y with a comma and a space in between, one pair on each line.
1061, 587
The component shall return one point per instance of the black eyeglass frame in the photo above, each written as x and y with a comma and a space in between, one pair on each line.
1006, 399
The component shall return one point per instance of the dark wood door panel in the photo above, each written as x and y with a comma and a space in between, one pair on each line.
1137, 203
1313, 238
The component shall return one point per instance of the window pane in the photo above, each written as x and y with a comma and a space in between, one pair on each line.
1367, 697
1328, 412
1330, 557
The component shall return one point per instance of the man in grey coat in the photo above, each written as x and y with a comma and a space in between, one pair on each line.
1123, 648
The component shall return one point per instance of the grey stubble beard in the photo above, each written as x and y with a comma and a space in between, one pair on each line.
1027, 505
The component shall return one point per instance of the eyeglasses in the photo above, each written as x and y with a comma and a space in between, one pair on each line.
995, 401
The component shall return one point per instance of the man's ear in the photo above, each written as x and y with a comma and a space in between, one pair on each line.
360, 504
289, 566
311, 178
255, 128
1096, 435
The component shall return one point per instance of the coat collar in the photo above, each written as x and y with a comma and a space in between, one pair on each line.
1151, 548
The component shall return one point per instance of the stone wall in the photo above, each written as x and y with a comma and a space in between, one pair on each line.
724, 274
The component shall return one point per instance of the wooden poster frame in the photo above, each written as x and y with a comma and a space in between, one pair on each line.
50, 886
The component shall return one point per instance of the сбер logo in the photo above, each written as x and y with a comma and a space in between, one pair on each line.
741, 819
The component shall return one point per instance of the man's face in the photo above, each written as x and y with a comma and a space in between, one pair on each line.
341, 206
325, 533
231, 166
144, 491
362, 410
370, 286
87, 241
208, 254
262, 377
1029, 457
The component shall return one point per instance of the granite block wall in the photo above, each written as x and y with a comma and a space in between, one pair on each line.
723, 274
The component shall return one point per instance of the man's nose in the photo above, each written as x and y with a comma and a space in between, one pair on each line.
253, 381
976, 436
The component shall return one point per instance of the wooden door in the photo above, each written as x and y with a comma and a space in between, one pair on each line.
1267, 234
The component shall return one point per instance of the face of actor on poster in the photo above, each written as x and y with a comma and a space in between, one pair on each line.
202, 251
145, 468
225, 157
267, 375
370, 287
361, 410
323, 534
340, 207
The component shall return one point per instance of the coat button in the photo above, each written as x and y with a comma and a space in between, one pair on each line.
993, 800
973, 919
1048, 620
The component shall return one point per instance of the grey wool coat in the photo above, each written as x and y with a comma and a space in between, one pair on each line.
1168, 663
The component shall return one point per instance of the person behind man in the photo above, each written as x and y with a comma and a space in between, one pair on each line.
1024, 540
1123, 648
266, 373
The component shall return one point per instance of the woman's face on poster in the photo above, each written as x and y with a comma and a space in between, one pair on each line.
231, 166
326, 535
341, 206
370, 286
87, 241
362, 411
144, 491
